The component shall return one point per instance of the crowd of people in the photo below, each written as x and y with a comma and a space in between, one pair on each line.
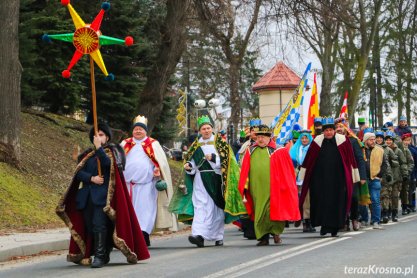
329, 177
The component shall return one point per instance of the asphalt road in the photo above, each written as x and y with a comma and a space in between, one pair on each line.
391, 252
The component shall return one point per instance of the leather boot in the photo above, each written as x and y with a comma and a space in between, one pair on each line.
394, 215
109, 248
99, 250
389, 214
263, 241
408, 209
355, 225
384, 216
308, 227
197, 240
146, 236
404, 210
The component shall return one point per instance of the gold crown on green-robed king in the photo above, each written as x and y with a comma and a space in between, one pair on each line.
203, 120
262, 130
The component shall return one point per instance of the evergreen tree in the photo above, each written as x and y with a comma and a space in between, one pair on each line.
42, 84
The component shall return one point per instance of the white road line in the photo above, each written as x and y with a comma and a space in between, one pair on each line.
236, 268
281, 258
408, 220
390, 223
353, 233
407, 217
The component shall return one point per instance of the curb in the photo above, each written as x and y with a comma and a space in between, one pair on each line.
27, 244
33, 248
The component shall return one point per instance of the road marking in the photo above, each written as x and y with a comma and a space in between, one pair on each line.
280, 255
389, 223
353, 233
407, 217
408, 220
261, 265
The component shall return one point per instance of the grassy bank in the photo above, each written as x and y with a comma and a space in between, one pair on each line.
28, 196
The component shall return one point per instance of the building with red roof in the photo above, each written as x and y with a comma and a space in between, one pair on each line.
275, 90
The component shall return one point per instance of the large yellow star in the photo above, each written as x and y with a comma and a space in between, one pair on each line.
87, 39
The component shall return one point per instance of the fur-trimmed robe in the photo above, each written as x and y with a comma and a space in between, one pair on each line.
350, 169
127, 234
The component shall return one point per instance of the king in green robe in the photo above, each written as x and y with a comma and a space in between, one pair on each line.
267, 182
210, 197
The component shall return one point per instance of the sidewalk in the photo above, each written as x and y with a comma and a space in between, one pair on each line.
24, 244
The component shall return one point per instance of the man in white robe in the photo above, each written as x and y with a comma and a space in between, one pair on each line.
208, 221
146, 164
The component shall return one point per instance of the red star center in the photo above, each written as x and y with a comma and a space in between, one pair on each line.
86, 40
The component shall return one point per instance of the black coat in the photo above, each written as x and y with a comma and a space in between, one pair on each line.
358, 154
98, 192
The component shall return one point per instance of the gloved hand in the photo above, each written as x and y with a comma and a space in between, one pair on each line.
405, 179
388, 178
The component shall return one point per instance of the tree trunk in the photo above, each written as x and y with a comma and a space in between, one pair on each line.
409, 63
10, 73
376, 63
172, 46
234, 72
357, 83
367, 31
326, 87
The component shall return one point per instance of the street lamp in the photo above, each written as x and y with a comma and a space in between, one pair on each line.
200, 104
374, 123
387, 110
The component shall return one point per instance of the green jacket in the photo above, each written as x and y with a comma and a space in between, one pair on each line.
401, 171
408, 157
393, 163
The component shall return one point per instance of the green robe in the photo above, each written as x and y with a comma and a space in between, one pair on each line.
225, 195
259, 176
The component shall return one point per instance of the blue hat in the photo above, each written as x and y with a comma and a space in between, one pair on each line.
388, 124
368, 130
390, 134
379, 133
318, 120
296, 127
255, 122
328, 122
403, 118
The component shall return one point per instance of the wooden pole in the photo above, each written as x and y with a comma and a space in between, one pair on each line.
94, 102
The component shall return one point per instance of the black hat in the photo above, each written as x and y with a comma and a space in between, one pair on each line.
103, 127
262, 130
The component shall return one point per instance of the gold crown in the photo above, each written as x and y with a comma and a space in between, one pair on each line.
141, 119
262, 129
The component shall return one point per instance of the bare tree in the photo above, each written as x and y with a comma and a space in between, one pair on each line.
10, 73
362, 16
172, 46
220, 18
316, 22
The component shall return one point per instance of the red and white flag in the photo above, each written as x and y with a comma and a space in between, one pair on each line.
344, 110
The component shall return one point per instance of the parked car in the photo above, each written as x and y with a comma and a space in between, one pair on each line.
174, 154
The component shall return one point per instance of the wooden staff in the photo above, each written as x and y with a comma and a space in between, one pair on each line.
93, 97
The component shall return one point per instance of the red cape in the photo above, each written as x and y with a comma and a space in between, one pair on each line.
127, 235
349, 166
284, 193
